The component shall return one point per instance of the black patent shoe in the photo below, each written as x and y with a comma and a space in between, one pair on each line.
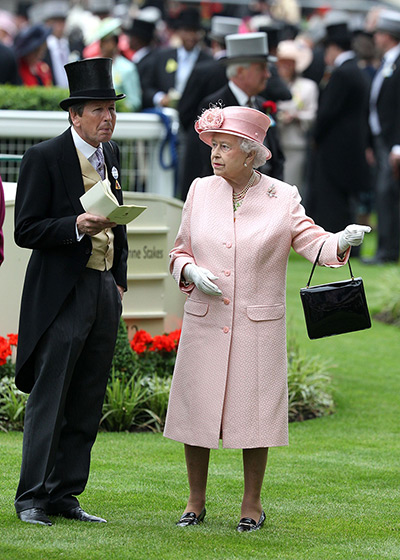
191, 518
247, 524
80, 515
36, 516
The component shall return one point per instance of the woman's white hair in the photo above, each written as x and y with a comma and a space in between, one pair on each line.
248, 146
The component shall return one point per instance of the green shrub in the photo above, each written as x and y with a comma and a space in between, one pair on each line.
138, 389
124, 357
20, 98
157, 400
388, 297
309, 384
124, 401
38, 98
12, 405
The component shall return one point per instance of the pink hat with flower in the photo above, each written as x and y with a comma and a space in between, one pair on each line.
244, 122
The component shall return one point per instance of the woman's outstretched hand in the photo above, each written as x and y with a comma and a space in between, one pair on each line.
352, 236
201, 278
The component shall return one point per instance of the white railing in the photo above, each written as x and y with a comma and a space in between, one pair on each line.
140, 136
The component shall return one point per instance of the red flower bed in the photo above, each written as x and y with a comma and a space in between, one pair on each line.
144, 342
6, 347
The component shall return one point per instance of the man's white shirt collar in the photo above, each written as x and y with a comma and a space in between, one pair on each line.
240, 95
86, 149
343, 57
140, 53
391, 55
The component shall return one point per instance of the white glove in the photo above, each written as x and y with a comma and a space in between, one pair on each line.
352, 236
201, 278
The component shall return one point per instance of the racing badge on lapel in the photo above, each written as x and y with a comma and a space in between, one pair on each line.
114, 173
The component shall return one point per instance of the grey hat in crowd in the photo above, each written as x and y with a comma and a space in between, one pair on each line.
247, 47
101, 6
222, 26
53, 9
389, 22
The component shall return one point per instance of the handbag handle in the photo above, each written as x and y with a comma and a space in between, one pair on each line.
316, 262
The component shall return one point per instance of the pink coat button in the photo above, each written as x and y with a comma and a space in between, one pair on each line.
226, 329
229, 245
227, 301
227, 272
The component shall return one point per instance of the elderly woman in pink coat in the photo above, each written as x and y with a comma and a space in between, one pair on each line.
230, 258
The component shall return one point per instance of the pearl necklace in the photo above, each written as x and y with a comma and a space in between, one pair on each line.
238, 197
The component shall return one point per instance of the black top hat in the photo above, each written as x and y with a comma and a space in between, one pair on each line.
30, 38
23, 8
188, 19
274, 32
338, 34
90, 80
141, 28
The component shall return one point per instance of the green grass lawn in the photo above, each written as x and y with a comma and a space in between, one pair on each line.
334, 493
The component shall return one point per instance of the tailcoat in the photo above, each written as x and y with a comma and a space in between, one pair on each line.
387, 187
163, 73
340, 171
388, 106
230, 378
46, 207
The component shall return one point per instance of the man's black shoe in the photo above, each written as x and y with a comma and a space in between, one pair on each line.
80, 515
37, 516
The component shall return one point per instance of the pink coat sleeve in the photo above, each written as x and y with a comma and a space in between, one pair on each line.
182, 254
308, 237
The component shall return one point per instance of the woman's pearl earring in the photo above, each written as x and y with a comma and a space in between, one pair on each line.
245, 164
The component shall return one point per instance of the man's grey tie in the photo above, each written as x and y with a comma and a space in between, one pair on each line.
97, 160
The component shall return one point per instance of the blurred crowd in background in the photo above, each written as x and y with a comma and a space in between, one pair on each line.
320, 82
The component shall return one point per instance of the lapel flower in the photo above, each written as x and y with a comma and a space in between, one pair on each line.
269, 107
271, 191
210, 119
171, 66
388, 70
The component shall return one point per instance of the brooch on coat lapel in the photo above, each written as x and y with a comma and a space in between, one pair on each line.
271, 191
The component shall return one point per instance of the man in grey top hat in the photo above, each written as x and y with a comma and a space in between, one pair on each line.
247, 72
71, 301
384, 122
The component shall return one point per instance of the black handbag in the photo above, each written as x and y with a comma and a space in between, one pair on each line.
335, 308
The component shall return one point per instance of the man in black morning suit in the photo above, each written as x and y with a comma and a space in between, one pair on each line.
141, 40
341, 170
384, 122
173, 66
71, 302
209, 75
